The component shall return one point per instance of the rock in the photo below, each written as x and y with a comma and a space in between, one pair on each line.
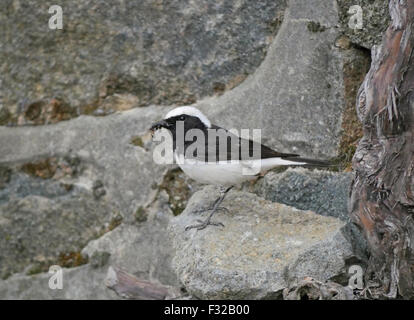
82, 282
45, 112
375, 19
102, 145
144, 250
37, 231
323, 192
5, 175
99, 259
91, 180
296, 96
4, 114
34, 207
263, 248
115, 55
320, 191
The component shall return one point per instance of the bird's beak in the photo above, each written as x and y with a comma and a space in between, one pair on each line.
159, 125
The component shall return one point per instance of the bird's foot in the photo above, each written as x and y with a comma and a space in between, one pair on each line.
211, 208
203, 224
216, 207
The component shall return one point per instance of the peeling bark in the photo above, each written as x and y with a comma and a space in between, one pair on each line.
382, 194
128, 286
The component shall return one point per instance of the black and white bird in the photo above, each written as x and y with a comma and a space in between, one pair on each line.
217, 165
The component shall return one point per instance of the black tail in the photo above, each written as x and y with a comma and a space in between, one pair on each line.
310, 162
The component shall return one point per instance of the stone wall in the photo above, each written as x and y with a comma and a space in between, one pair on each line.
83, 192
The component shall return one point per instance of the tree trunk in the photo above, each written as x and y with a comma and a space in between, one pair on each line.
382, 195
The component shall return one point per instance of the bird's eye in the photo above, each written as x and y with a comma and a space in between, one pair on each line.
182, 118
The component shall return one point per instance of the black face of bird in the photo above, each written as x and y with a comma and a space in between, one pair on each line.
171, 124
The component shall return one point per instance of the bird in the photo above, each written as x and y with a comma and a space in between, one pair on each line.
220, 158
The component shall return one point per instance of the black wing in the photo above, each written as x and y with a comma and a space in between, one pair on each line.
222, 145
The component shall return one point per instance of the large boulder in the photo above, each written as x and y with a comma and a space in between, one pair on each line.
263, 248
112, 55
321, 191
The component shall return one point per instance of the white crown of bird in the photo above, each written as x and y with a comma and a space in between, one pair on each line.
190, 111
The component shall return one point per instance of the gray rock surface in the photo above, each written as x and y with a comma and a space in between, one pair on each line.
320, 191
51, 208
105, 144
143, 249
323, 192
160, 52
263, 248
37, 231
78, 283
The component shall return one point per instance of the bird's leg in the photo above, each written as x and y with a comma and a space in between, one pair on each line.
205, 223
214, 206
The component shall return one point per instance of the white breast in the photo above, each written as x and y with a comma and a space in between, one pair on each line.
228, 172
